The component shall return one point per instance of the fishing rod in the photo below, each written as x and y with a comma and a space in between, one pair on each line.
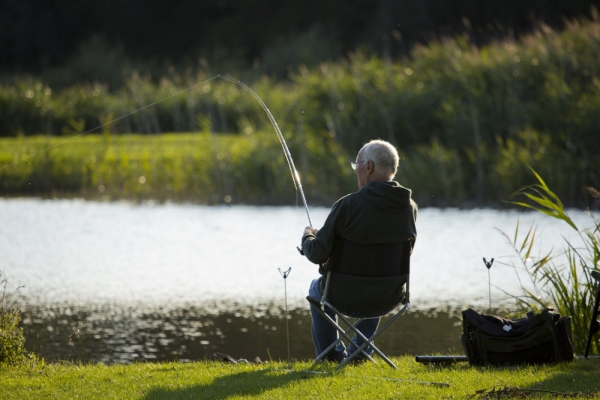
286, 151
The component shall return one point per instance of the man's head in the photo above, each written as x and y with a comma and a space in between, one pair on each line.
376, 161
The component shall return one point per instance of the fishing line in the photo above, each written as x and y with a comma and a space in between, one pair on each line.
107, 123
288, 156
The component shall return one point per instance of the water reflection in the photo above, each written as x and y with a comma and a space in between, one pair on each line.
117, 334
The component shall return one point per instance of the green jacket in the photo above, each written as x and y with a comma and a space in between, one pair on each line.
379, 213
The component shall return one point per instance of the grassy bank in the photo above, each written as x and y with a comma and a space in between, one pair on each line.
210, 380
197, 167
210, 168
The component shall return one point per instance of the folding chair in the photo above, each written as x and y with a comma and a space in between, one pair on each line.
364, 281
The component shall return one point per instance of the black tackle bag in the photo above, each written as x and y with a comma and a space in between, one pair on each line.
537, 339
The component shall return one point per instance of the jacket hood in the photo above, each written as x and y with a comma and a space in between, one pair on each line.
386, 195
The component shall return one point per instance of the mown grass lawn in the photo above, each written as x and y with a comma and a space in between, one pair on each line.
213, 380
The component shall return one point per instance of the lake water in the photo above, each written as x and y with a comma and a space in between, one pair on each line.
95, 267
82, 252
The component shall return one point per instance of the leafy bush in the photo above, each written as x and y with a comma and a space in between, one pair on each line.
12, 340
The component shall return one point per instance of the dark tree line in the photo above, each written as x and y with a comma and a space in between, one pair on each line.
37, 35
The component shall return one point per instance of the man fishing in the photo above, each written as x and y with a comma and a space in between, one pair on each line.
381, 211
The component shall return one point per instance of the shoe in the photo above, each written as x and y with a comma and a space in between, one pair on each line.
358, 360
337, 359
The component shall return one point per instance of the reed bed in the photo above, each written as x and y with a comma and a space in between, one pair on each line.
466, 119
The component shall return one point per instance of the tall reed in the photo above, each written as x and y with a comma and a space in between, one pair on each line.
561, 280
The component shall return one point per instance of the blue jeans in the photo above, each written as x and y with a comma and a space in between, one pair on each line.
324, 334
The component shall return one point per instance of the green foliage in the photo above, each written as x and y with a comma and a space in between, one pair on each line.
561, 281
12, 340
24, 107
466, 118
435, 173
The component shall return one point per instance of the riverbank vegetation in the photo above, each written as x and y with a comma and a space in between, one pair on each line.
212, 380
199, 167
466, 119
12, 338
561, 280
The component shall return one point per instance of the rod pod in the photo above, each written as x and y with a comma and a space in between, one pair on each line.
285, 274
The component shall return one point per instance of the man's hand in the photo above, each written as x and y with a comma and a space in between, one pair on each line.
310, 230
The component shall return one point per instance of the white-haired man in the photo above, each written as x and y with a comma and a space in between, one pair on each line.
381, 211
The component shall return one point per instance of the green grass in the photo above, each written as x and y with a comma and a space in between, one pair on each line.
210, 380
199, 167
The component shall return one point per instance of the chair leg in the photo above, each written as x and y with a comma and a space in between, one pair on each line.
343, 332
369, 341
352, 327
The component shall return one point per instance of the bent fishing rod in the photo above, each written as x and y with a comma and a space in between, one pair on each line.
286, 151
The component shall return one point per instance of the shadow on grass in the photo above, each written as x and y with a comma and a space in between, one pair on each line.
578, 379
580, 376
248, 383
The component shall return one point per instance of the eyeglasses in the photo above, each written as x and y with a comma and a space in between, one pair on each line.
354, 165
